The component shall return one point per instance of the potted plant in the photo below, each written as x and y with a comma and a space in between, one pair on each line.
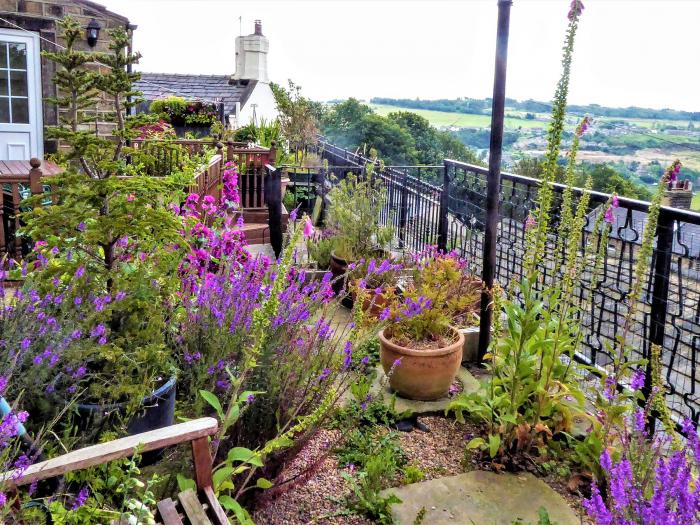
354, 218
462, 291
422, 348
186, 116
375, 283
319, 247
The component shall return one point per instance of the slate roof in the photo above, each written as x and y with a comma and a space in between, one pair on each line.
208, 88
629, 225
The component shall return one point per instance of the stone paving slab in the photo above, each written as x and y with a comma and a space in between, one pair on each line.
421, 408
481, 498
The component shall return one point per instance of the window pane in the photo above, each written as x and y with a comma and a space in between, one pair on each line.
18, 56
20, 110
3, 83
4, 109
18, 83
3, 54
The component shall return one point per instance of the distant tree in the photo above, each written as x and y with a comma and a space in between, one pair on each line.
608, 180
402, 137
298, 116
424, 135
604, 178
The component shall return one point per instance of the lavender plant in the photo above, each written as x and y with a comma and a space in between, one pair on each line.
266, 346
645, 484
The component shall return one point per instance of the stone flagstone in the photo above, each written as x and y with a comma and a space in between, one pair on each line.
481, 498
421, 408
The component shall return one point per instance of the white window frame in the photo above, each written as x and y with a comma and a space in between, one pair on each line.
35, 127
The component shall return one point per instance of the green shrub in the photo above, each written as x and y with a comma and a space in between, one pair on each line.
353, 217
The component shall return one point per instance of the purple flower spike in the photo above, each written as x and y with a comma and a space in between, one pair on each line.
81, 498
638, 379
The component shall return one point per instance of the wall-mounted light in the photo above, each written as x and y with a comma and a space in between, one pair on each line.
92, 32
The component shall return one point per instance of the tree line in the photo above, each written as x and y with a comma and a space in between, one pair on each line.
483, 107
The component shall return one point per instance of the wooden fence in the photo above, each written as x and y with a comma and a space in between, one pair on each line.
20, 179
208, 180
251, 162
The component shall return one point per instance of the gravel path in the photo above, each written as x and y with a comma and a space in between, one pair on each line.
439, 452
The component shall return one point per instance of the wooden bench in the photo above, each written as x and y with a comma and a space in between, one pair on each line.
194, 508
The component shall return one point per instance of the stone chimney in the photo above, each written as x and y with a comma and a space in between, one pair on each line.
679, 194
251, 56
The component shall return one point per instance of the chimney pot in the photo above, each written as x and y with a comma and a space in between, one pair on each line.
258, 27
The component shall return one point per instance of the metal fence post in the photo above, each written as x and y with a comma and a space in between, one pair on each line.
443, 226
403, 208
494, 176
662, 259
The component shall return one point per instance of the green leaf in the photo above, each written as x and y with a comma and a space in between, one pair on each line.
221, 475
233, 415
241, 514
494, 444
184, 483
263, 483
509, 418
476, 443
213, 401
244, 455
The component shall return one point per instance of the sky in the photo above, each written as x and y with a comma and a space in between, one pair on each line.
628, 52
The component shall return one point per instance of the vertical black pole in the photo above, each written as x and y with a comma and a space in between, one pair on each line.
443, 224
659, 297
494, 177
403, 207
273, 196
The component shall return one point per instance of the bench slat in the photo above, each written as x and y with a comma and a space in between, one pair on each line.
218, 513
193, 508
168, 512
112, 450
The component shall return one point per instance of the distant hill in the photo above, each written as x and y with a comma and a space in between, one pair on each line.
483, 107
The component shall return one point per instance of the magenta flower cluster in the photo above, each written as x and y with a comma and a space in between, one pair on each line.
610, 211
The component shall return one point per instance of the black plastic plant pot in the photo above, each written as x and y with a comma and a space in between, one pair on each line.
157, 411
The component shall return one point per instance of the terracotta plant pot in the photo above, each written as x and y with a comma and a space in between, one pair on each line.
373, 302
424, 375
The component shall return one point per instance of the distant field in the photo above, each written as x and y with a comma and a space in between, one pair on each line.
463, 120
647, 122
445, 118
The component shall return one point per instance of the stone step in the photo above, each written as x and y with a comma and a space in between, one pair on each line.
481, 498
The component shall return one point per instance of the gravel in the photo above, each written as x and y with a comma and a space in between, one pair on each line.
318, 497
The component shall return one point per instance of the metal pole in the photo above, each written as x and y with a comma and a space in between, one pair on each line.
494, 177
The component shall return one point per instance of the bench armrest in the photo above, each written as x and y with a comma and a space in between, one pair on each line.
112, 450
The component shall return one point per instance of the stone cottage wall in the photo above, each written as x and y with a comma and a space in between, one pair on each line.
41, 16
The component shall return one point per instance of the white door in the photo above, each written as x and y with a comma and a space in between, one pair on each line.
21, 136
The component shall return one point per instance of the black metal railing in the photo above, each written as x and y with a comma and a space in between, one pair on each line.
445, 206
